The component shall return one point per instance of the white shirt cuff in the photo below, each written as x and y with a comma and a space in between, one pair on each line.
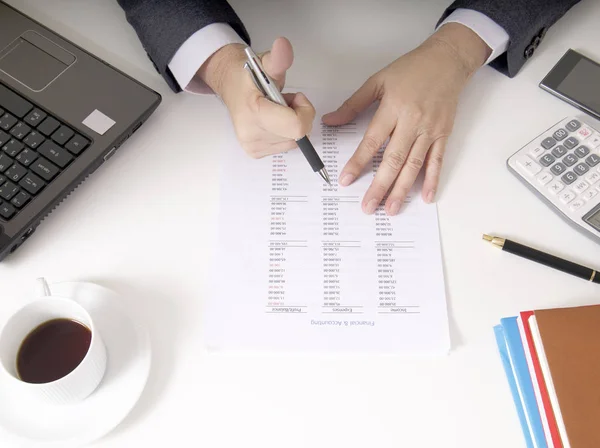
489, 31
195, 52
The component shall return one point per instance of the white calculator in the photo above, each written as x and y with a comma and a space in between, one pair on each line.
562, 165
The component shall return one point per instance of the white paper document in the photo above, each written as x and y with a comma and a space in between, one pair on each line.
300, 267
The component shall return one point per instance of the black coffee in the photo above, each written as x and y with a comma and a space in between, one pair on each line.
53, 350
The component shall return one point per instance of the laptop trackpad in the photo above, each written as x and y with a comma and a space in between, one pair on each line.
34, 60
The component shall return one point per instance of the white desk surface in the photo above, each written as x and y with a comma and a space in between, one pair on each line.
145, 224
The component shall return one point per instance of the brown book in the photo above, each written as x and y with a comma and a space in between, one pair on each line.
571, 342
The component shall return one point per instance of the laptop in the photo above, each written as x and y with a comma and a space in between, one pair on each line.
63, 113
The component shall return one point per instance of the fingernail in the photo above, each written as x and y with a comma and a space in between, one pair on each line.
346, 180
371, 206
395, 208
430, 197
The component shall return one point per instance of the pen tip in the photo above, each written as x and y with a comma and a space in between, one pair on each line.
487, 237
323, 173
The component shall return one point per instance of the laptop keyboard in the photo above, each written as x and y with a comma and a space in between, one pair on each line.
34, 148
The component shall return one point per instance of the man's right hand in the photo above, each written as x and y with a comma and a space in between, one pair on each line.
262, 127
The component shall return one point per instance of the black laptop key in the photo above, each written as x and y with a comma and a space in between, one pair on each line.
21, 199
8, 190
32, 184
15, 172
35, 117
47, 170
4, 137
20, 130
34, 139
55, 153
6, 210
62, 135
5, 162
7, 121
26, 157
13, 147
14, 103
77, 144
48, 126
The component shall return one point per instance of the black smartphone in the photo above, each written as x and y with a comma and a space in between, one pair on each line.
576, 80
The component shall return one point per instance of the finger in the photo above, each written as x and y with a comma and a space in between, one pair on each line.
304, 110
379, 129
292, 122
433, 169
359, 101
278, 61
413, 161
392, 162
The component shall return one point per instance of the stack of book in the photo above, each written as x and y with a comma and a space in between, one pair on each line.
552, 362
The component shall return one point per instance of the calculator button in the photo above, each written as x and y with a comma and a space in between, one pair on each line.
590, 194
544, 178
576, 204
556, 187
594, 141
571, 142
561, 134
593, 160
582, 151
569, 177
567, 196
536, 152
559, 168
528, 165
547, 160
573, 125
559, 151
548, 142
570, 159
593, 178
581, 169
580, 187
584, 132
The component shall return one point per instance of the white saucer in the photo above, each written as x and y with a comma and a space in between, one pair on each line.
128, 367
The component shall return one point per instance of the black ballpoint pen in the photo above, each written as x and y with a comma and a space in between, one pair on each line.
543, 258
268, 87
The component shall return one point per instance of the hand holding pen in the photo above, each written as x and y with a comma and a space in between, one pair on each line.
270, 90
262, 127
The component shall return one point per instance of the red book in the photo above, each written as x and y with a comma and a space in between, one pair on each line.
539, 377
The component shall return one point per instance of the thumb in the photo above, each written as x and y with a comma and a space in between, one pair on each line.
277, 61
359, 101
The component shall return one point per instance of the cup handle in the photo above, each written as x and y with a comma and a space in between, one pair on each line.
43, 288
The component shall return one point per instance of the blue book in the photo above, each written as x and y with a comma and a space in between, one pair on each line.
523, 381
512, 382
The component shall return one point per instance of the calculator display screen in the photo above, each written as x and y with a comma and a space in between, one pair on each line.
594, 219
581, 84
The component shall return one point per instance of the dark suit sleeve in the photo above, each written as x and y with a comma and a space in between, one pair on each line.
164, 25
525, 21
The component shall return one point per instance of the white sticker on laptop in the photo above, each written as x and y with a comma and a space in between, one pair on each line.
98, 122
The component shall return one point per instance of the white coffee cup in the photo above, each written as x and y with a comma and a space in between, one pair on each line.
79, 383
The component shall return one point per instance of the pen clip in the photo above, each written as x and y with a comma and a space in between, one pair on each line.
254, 78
